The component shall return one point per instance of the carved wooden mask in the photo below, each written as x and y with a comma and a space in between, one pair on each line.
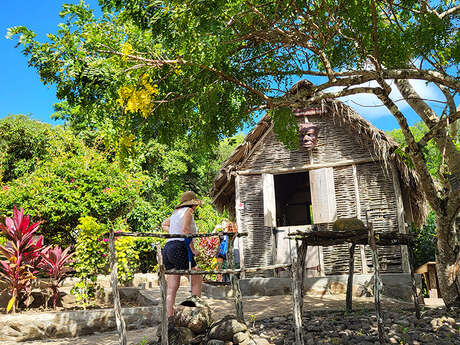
308, 135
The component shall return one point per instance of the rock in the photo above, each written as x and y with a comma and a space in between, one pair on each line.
260, 341
240, 337
194, 314
146, 298
180, 336
68, 300
226, 328
362, 291
279, 319
403, 323
343, 224
337, 288
215, 342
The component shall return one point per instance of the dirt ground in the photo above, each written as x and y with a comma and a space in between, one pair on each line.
258, 308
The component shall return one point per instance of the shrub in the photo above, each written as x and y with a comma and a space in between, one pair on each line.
65, 188
55, 263
92, 256
22, 253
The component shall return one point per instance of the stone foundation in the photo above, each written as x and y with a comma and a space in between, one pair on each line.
395, 285
22, 327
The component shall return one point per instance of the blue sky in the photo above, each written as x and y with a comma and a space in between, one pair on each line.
22, 92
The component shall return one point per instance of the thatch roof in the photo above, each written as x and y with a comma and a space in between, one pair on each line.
223, 193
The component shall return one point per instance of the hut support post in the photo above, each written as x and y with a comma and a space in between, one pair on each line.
297, 290
164, 308
412, 276
235, 281
351, 270
377, 284
121, 326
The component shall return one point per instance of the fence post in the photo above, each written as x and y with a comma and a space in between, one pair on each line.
121, 326
351, 270
235, 280
164, 309
377, 283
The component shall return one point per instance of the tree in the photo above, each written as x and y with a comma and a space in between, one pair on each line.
197, 69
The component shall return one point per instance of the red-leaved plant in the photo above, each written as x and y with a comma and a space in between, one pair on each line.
22, 254
54, 262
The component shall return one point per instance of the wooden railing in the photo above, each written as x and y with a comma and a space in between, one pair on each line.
162, 272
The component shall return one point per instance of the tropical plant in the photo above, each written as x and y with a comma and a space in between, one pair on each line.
22, 254
55, 262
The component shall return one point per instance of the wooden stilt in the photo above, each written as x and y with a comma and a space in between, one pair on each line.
351, 270
297, 290
412, 276
164, 309
234, 278
121, 326
377, 284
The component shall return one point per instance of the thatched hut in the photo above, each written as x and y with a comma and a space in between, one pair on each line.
352, 171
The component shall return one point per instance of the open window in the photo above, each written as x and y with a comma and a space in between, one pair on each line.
301, 198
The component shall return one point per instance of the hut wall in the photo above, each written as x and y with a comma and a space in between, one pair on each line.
336, 257
335, 143
258, 244
378, 200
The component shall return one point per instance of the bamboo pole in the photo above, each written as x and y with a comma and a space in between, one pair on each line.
377, 283
164, 309
298, 265
223, 271
351, 271
166, 235
412, 276
121, 326
235, 282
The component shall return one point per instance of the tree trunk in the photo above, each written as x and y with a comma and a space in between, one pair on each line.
448, 261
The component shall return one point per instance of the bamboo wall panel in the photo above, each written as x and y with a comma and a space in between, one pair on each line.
336, 257
273, 153
258, 244
335, 143
379, 200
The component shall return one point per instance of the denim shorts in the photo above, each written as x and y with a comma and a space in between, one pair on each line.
175, 256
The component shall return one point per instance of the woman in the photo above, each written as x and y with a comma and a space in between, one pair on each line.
175, 252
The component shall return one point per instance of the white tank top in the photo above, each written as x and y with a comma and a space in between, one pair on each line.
176, 222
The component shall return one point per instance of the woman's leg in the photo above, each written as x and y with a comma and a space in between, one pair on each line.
173, 285
219, 266
196, 283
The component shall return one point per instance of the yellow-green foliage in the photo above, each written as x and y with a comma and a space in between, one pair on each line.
92, 255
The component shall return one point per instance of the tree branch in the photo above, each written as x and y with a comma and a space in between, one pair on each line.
415, 152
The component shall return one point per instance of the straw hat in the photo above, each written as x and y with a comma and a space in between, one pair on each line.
189, 199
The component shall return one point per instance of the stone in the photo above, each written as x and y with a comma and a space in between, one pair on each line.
342, 224
194, 314
260, 341
362, 291
146, 298
226, 328
180, 336
240, 337
68, 300
279, 319
23, 327
337, 288
403, 323
215, 342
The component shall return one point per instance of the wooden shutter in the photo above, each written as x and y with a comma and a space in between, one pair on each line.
323, 195
269, 200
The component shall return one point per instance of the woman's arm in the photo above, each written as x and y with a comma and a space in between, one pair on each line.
187, 228
165, 225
